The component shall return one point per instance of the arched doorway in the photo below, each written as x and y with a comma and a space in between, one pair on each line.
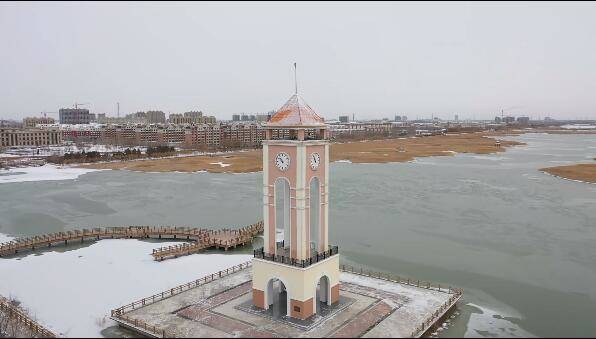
323, 293
278, 300
315, 215
282, 217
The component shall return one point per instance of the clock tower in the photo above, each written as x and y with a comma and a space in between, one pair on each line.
296, 268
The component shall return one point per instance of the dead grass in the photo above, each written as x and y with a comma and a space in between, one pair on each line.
377, 151
583, 172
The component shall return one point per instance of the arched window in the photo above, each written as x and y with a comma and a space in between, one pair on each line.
282, 217
315, 215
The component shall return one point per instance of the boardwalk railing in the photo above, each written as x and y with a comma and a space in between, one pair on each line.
16, 314
419, 330
225, 239
220, 238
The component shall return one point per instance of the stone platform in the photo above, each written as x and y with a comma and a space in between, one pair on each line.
369, 307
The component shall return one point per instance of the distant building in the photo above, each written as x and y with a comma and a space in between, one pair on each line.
29, 137
456, 118
156, 117
344, 119
397, 118
208, 134
31, 122
74, 116
523, 120
509, 120
10, 124
179, 119
498, 120
209, 120
236, 117
195, 115
263, 117
404, 118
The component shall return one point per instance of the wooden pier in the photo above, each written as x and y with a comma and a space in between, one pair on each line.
216, 239
200, 238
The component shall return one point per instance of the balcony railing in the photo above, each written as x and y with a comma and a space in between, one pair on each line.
287, 260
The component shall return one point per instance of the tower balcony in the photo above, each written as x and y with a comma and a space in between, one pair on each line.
285, 258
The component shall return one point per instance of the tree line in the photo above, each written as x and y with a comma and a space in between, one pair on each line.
127, 154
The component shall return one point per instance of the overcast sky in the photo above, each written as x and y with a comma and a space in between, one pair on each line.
374, 60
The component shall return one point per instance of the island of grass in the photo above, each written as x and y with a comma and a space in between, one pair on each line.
580, 172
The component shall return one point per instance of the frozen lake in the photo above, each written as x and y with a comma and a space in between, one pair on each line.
520, 242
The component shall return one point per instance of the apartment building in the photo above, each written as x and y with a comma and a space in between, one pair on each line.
29, 137
31, 122
74, 116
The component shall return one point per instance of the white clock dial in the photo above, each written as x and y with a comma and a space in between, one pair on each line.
315, 160
282, 161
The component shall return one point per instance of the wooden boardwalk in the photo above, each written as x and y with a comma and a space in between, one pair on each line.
213, 239
201, 238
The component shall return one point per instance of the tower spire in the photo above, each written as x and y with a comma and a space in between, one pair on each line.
295, 80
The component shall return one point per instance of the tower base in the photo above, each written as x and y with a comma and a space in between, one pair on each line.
302, 288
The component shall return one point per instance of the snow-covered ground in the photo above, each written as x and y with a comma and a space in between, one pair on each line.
4, 238
579, 126
422, 301
73, 292
221, 164
41, 173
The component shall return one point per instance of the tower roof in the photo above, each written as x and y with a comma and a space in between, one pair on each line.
296, 113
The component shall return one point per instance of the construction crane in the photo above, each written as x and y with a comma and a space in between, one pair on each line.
45, 114
76, 104
507, 109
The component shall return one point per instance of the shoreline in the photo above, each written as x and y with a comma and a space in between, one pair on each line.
584, 172
367, 151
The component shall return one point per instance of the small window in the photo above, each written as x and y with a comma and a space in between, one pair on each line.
297, 309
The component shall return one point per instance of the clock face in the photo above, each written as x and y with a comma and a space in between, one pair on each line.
315, 160
282, 161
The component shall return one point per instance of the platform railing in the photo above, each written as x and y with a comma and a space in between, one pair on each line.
120, 312
178, 289
302, 263
454, 294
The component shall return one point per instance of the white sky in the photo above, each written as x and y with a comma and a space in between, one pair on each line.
374, 60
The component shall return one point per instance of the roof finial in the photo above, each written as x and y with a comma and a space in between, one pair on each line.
295, 80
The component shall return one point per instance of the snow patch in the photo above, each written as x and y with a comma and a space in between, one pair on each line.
422, 301
42, 173
85, 284
221, 164
5, 238
493, 323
